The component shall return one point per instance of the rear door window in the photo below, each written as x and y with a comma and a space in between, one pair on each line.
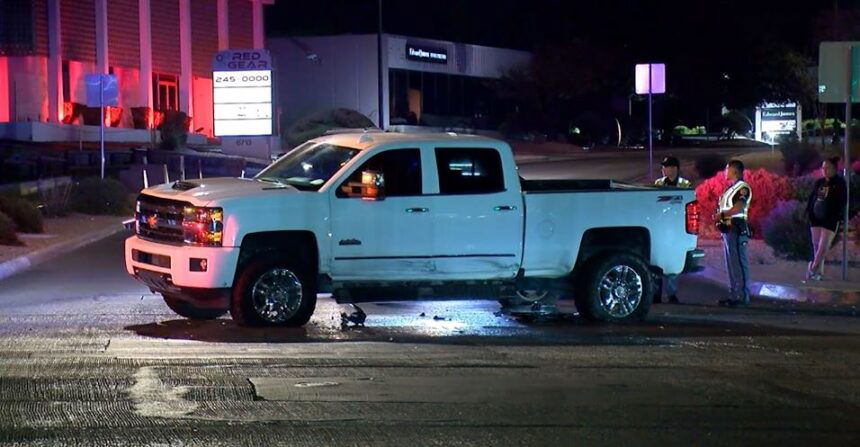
469, 171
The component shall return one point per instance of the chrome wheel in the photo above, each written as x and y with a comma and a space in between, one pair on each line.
277, 295
620, 291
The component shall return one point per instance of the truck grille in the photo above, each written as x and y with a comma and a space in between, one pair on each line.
160, 220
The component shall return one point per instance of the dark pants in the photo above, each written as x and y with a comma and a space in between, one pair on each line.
735, 246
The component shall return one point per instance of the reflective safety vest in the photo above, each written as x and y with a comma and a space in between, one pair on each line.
682, 182
727, 199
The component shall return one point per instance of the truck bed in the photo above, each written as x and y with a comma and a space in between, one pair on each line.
574, 185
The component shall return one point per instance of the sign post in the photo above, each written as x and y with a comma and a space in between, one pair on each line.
101, 91
650, 80
838, 82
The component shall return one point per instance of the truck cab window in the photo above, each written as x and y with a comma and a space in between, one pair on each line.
469, 171
400, 167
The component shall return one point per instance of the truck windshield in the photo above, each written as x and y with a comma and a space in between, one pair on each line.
308, 166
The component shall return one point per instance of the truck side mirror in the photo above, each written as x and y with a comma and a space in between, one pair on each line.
372, 185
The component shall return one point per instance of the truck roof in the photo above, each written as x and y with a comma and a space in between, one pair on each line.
366, 140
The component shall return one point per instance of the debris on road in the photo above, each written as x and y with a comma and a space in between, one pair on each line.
356, 318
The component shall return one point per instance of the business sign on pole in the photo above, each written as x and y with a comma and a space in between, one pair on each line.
775, 120
242, 93
833, 71
650, 78
102, 90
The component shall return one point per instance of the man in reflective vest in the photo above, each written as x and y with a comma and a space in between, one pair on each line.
732, 220
671, 179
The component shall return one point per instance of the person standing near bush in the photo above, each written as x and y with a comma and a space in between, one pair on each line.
825, 209
671, 169
733, 221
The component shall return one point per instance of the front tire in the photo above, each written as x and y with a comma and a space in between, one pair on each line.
617, 288
185, 309
274, 292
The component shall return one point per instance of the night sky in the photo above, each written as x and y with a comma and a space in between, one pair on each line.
648, 29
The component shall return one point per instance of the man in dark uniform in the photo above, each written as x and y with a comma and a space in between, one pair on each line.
671, 169
732, 219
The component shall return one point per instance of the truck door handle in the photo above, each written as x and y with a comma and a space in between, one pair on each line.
417, 210
505, 208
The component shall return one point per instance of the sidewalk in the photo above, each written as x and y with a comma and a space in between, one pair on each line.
776, 279
62, 235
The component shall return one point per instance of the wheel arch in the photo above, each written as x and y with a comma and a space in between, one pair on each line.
303, 243
599, 241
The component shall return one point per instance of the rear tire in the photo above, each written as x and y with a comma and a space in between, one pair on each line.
617, 288
274, 291
185, 309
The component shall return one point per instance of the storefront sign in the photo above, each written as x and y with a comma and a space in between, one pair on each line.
426, 54
242, 93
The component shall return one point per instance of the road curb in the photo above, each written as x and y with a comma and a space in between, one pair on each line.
24, 262
782, 292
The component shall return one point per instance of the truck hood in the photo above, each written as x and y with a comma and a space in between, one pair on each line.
206, 191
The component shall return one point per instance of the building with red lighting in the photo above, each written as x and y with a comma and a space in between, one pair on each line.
159, 50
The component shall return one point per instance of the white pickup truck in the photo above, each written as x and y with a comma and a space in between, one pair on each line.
386, 216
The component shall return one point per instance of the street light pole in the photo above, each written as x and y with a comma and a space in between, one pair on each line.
379, 65
846, 161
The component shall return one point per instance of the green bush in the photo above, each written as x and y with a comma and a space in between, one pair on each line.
799, 158
7, 231
854, 225
93, 195
681, 130
710, 165
786, 230
736, 121
55, 200
803, 187
318, 124
26, 216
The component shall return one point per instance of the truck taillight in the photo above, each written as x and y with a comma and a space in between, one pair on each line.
692, 217
203, 226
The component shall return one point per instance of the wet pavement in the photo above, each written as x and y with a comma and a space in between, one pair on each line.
89, 357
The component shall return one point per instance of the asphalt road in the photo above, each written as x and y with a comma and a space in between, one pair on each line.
89, 357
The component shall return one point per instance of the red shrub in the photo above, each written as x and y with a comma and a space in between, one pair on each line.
768, 189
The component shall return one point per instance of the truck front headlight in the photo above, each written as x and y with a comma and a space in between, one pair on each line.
203, 226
